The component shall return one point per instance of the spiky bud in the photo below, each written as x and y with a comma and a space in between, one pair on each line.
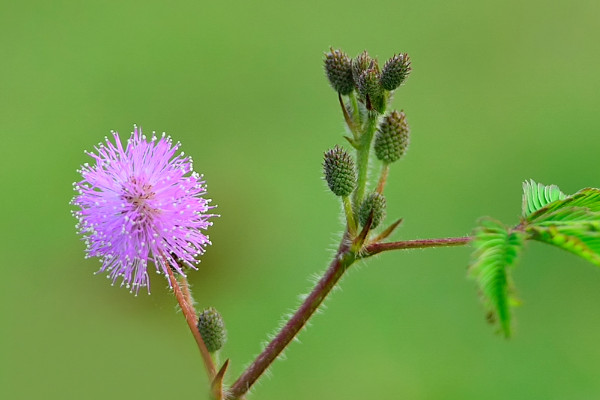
369, 89
338, 67
392, 138
212, 329
395, 71
375, 202
338, 167
361, 63
368, 83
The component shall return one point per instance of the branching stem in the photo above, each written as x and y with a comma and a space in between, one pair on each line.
376, 248
343, 259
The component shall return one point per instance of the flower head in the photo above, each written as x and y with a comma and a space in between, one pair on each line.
212, 329
340, 174
338, 67
141, 203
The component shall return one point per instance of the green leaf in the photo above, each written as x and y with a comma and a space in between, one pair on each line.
569, 222
587, 199
496, 249
582, 239
536, 196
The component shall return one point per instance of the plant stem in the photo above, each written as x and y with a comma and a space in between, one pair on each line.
190, 316
387, 232
349, 122
385, 170
362, 158
343, 259
376, 248
355, 110
187, 293
351, 221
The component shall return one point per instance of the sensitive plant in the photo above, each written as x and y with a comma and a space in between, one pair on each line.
141, 203
144, 203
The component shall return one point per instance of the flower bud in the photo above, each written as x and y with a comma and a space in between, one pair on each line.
392, 138
368, 84
338, 68
395, 71
340, 175
360, 64
369, 88
212, 329
374, 203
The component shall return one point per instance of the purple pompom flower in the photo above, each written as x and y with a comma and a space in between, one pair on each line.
141, 203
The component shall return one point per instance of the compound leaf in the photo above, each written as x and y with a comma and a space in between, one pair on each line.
569, 222
587, 200
536, 196
496, 249
582, 239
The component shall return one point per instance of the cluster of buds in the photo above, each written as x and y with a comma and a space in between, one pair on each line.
363, 75
368, 90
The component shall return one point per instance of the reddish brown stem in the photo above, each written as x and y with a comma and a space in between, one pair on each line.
340, 263
376, 248
343, 259
385, 170
187, 293
191, 319
347, 117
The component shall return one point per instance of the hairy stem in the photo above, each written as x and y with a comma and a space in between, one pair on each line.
187, 293
376, 248
343, 259
351, 221
355, 110
190, 316
385, 170
362, 158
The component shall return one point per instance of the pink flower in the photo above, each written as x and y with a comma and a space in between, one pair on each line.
141, 203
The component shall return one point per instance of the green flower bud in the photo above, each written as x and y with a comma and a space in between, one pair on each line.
362, 63
369, 89
395, 71
392, 138
340, 175
338, 68
212, 329
375, 203
368, 84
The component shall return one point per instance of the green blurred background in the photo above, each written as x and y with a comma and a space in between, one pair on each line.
500, 92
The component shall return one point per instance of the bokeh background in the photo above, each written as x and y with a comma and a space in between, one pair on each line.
501, 91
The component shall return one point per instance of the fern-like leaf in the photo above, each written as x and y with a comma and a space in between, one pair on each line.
569, 222
582, 239
587, 199
496, 249
536, 196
